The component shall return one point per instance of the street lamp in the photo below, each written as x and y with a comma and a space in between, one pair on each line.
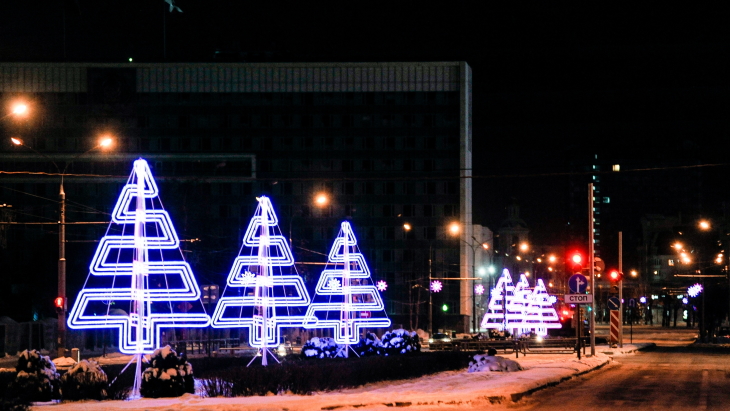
454, 230
61, 300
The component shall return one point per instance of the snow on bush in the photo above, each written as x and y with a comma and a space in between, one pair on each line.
493, 363
37, 379
166, 374
322, 347
396, 342
85, 380
370, 345
400, 341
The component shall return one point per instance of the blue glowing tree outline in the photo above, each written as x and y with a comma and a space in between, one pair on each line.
541, 314
336, 293
108, 265
498, 315
267, 309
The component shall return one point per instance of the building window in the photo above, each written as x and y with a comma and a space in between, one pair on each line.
671, 263
387, 256
387, 210
429, 233
349, 188
408, 210
431, 187
428, 210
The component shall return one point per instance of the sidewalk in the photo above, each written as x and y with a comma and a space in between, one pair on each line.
446, 388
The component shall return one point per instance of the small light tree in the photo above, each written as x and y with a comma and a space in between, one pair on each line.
346, 299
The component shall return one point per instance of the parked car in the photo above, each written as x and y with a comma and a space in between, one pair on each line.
439, 337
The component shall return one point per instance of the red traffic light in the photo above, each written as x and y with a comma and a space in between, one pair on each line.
59, 302
576, 260
615, 275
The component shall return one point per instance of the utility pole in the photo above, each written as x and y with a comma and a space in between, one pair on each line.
591, 265
620, 292
62, 273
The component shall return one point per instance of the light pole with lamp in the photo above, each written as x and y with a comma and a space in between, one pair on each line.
61, 301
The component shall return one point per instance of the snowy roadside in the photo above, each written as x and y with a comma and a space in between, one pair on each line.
457, 388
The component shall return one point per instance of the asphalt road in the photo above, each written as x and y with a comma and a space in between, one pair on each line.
672, 376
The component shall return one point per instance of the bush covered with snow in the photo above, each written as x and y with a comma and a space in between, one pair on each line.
322, 347
370, 345
493, 363
166, 374
9, 401
396, 342
400, 341
85, 380
37, 379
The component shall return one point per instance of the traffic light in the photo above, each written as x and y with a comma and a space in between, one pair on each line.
576, 261
59, 302
615, 276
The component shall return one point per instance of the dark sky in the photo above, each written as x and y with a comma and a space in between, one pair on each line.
552, 83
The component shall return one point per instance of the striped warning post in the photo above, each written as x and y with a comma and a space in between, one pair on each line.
613, 333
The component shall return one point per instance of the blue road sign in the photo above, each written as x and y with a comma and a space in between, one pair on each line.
632, 302
578, 283
614, 303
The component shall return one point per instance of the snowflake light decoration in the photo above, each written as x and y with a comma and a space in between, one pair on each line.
479, 289
552, 299
694, 290
436, 286
333, 283
248, 277
381, 286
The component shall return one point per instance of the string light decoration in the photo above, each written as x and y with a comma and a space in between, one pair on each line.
541, 314
519, 308
139, 269
341, 307
263, 290
497, 315
381, 286
694, 290
138, 272
436, 286
479, 289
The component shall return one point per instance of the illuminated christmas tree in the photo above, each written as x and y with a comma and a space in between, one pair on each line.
540, 314
345, 298
263, 291
498, 314
138, 279
519, 305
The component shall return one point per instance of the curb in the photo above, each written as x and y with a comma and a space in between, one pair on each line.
519, 395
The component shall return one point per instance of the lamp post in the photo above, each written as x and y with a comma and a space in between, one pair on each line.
62, 302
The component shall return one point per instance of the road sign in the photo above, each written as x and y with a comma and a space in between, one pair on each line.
365, 314
578, 298
598, 265
614, 303
578, 283
632, 302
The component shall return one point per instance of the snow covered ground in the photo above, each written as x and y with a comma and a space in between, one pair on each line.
447, 389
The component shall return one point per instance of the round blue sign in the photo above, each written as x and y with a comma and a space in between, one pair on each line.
578, 283
613, 303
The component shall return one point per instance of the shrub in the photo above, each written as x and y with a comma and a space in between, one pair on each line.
400, 341
321, 347
370, 345
167, 374
85, 380
37, 379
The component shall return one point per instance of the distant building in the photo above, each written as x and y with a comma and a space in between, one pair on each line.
388, 143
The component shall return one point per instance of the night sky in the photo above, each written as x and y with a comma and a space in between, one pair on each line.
552, 84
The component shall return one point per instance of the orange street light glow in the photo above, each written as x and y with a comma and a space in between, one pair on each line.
454, 228
321, 199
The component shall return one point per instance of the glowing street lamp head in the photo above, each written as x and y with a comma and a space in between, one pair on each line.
704, 225
524, 247
678, 246
454, 228
16, 141
105, 142
552, 258
19, 109
321, 199
485, 246
407, 227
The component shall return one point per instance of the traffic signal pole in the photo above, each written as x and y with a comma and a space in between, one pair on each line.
620, 291
591, 265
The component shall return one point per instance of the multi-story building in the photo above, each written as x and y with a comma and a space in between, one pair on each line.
388, 143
